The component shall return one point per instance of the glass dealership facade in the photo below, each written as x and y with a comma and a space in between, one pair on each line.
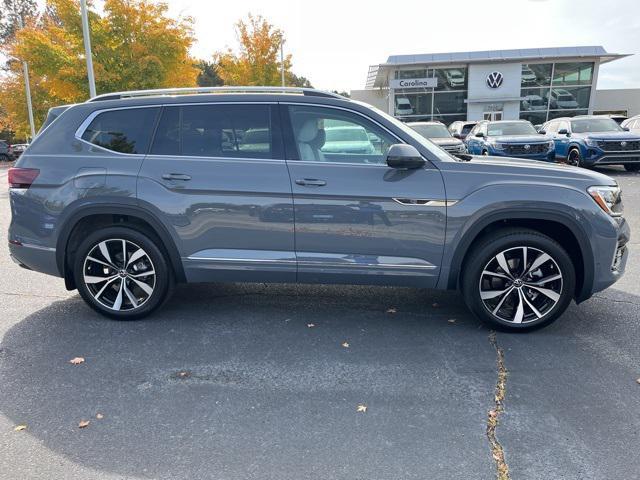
535, 84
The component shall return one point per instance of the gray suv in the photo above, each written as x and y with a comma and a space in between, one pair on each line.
129, 193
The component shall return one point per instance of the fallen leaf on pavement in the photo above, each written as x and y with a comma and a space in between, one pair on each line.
19, 428
99, 416
76, 360
311, 325
345, 344
83, 423
492, 413
392, 310
361, 408
638, 381
184, 374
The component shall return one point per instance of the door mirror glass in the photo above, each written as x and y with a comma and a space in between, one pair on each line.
563, 131
480, 135
626, 129
542, 132
404, 156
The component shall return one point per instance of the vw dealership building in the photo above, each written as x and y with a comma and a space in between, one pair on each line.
535, 84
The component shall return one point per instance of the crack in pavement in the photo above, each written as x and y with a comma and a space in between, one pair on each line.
617, 301
32, 295
493, 417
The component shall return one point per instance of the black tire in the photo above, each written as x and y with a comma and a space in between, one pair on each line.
632, 167
158, 278
574, 157
512, 242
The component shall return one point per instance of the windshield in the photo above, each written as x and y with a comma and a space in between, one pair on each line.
431, 131
435, 150
346, 134
511, 128
594, 125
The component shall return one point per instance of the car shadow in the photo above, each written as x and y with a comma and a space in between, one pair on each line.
232, 381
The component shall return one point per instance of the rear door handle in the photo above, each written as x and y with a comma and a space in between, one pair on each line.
310, 182
176, 176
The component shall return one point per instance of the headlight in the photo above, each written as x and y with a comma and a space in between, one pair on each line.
591, 142
496, 145
551, 144
608, 199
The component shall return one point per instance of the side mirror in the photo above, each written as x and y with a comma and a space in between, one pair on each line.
563, 131
480, 135
404, 156
542, 132
626, 129
456, 135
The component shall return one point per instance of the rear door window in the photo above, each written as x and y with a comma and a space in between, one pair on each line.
127, 130
236, 131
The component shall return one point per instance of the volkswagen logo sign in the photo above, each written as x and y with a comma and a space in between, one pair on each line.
494, 79
527, 147
623, 144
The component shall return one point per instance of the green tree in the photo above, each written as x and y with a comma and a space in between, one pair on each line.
208, 74
136, 45
257, 61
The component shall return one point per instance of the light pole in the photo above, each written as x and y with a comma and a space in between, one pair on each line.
27, 89
86, 35
282, 59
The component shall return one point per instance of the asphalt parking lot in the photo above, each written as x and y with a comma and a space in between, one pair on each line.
253, 381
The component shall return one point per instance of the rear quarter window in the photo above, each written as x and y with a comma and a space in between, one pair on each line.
127, 130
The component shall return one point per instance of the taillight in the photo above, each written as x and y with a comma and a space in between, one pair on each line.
22, 177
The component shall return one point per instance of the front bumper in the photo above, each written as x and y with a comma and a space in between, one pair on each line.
611, 256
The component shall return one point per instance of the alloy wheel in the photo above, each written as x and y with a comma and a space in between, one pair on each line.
574, 158
119, 274
521, 285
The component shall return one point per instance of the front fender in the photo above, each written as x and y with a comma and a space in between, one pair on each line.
486, 206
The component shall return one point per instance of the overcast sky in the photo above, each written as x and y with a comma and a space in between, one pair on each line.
334, 42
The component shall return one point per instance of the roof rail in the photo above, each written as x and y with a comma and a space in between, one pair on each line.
204, 90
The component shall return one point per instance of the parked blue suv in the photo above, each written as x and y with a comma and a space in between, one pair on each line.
509, 138
586, 141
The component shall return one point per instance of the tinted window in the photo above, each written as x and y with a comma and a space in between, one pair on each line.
125, 131
238, 131
331, 135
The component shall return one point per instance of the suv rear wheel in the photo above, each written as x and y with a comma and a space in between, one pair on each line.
518, 280
122, 273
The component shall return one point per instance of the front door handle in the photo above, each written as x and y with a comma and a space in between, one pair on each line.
310, 182
176, 176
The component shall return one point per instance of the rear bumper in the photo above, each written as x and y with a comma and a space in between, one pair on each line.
35, 257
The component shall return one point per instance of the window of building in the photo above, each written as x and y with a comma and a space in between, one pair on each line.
237, 131
573, 73
127, 130
450, 78
536, 74
404, 74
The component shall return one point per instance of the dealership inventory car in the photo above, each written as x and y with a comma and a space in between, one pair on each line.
460, 129
632, 124
128, 193
6, 152
438, 134
559, 98
18, 149
509, 138
586, 141
403, 107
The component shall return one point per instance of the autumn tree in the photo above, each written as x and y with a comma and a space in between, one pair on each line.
12, 13
135, 44
208, 75
257, 61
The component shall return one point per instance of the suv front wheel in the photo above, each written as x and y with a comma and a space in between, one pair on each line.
122, 273
518, 280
